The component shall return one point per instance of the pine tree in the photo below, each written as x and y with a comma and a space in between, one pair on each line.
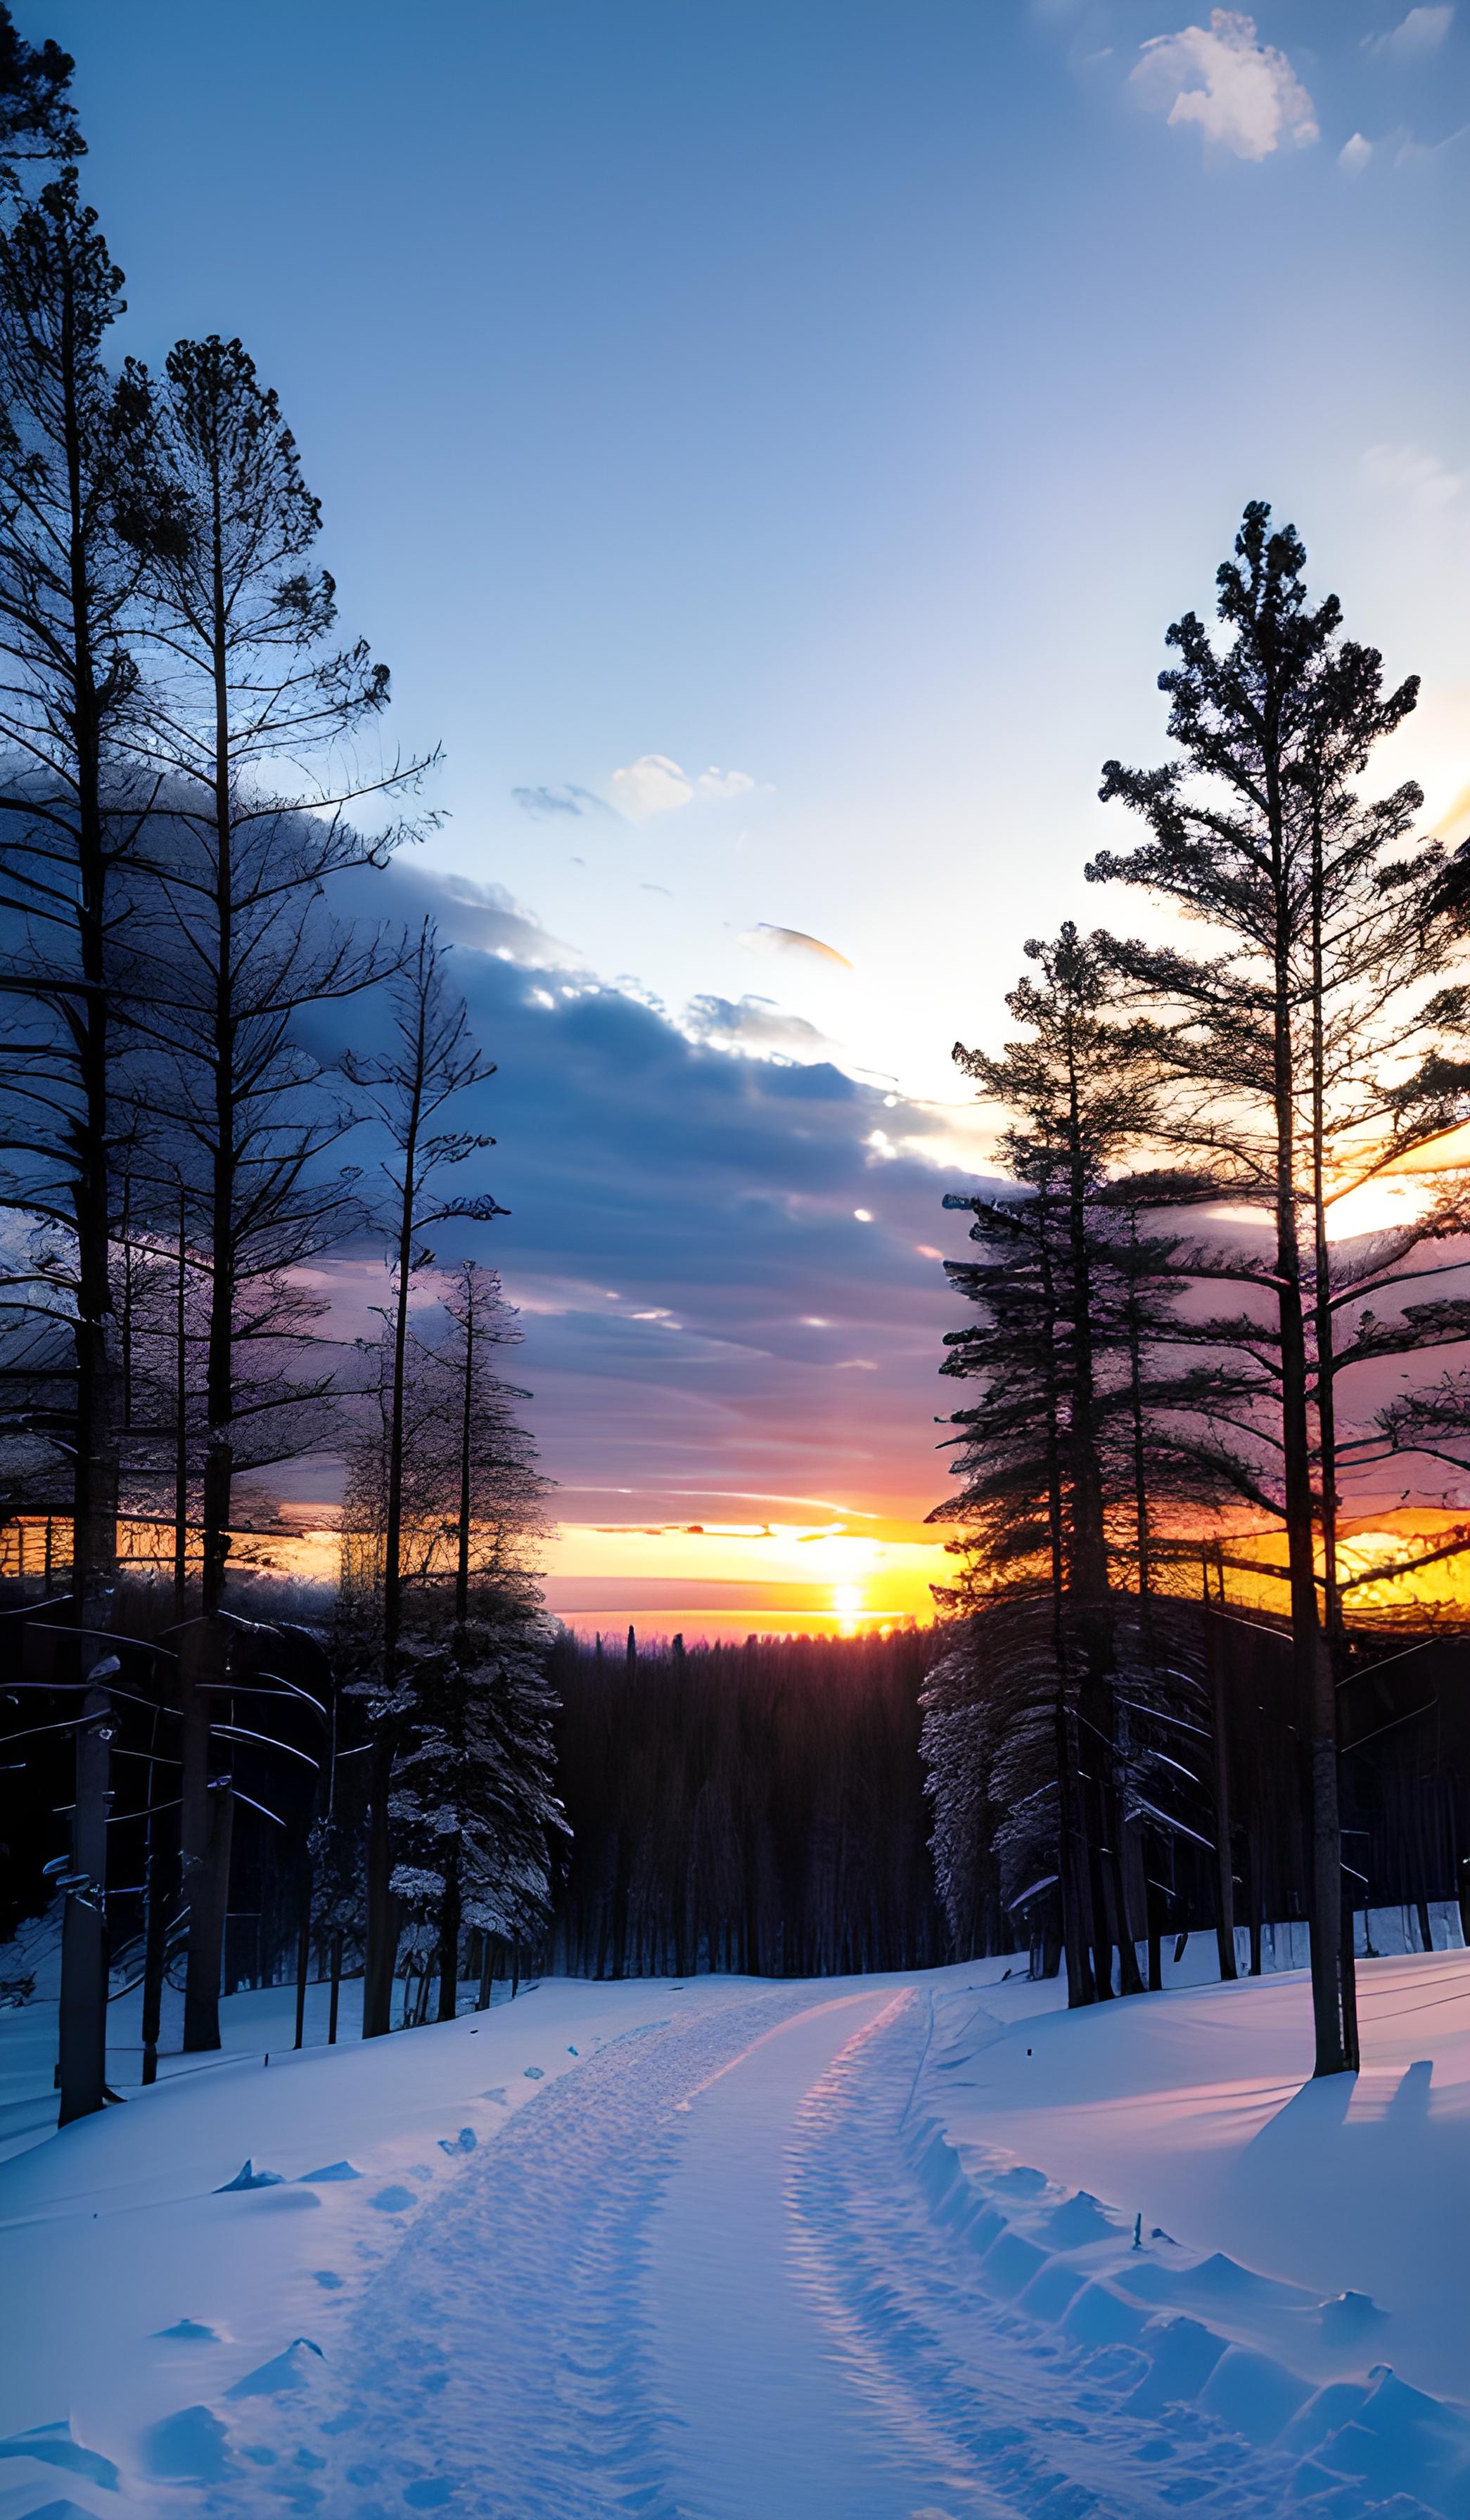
477, 1821
68, 694
67, 587
1287, 1046
469, 1526
37, 117
1058, 1454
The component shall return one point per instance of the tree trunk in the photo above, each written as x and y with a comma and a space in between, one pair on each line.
84, 1950
181, 1420
155, 1942
383, 1923
219, 1358
381, 1915
450, 1922
206, 1823
466, 1432
1311, 1656
304, 1954
1154, 1897
1224, 1878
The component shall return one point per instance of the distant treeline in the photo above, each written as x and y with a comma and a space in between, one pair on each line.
752, 1808
755, 1807
761, 1807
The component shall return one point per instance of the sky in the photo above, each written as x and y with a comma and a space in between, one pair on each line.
767, 444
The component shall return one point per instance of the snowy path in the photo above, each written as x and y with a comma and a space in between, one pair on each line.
708, 2277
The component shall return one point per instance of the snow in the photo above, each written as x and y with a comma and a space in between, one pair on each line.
1192, 2110
874, 2248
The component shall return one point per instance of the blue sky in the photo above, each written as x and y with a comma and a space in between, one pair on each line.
774, 438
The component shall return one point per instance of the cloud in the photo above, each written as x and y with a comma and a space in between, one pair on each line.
1455, 822
482, 915
1421, 152
1419, 35
655, 785
720, 783
540, 803
1412, 474
765, 939
718, 1191
651, 784
754, 1026
1243, 94
1354, 154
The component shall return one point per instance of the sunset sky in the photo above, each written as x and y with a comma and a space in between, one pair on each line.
768, 442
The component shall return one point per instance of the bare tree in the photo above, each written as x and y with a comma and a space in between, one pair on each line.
408, 1090
470, 1495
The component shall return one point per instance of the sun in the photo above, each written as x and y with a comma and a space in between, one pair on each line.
847, 1600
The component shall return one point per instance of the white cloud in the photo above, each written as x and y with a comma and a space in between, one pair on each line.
723, 782
651, 784
1421, 33
1355, 154
1242, 93
655, 785
1412, 474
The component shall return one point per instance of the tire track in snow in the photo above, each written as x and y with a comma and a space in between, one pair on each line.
1018, 2419
498, 2364
506, 2362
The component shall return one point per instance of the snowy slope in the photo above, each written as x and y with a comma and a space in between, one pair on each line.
751, 2251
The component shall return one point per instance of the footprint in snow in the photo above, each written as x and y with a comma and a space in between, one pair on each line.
394, 2200
498, 2094
464, 2141
328, 2281
535, 2074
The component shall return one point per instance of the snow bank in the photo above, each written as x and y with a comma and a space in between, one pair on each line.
1158, 2179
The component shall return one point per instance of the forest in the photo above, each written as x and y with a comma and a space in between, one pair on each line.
1181, 1323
